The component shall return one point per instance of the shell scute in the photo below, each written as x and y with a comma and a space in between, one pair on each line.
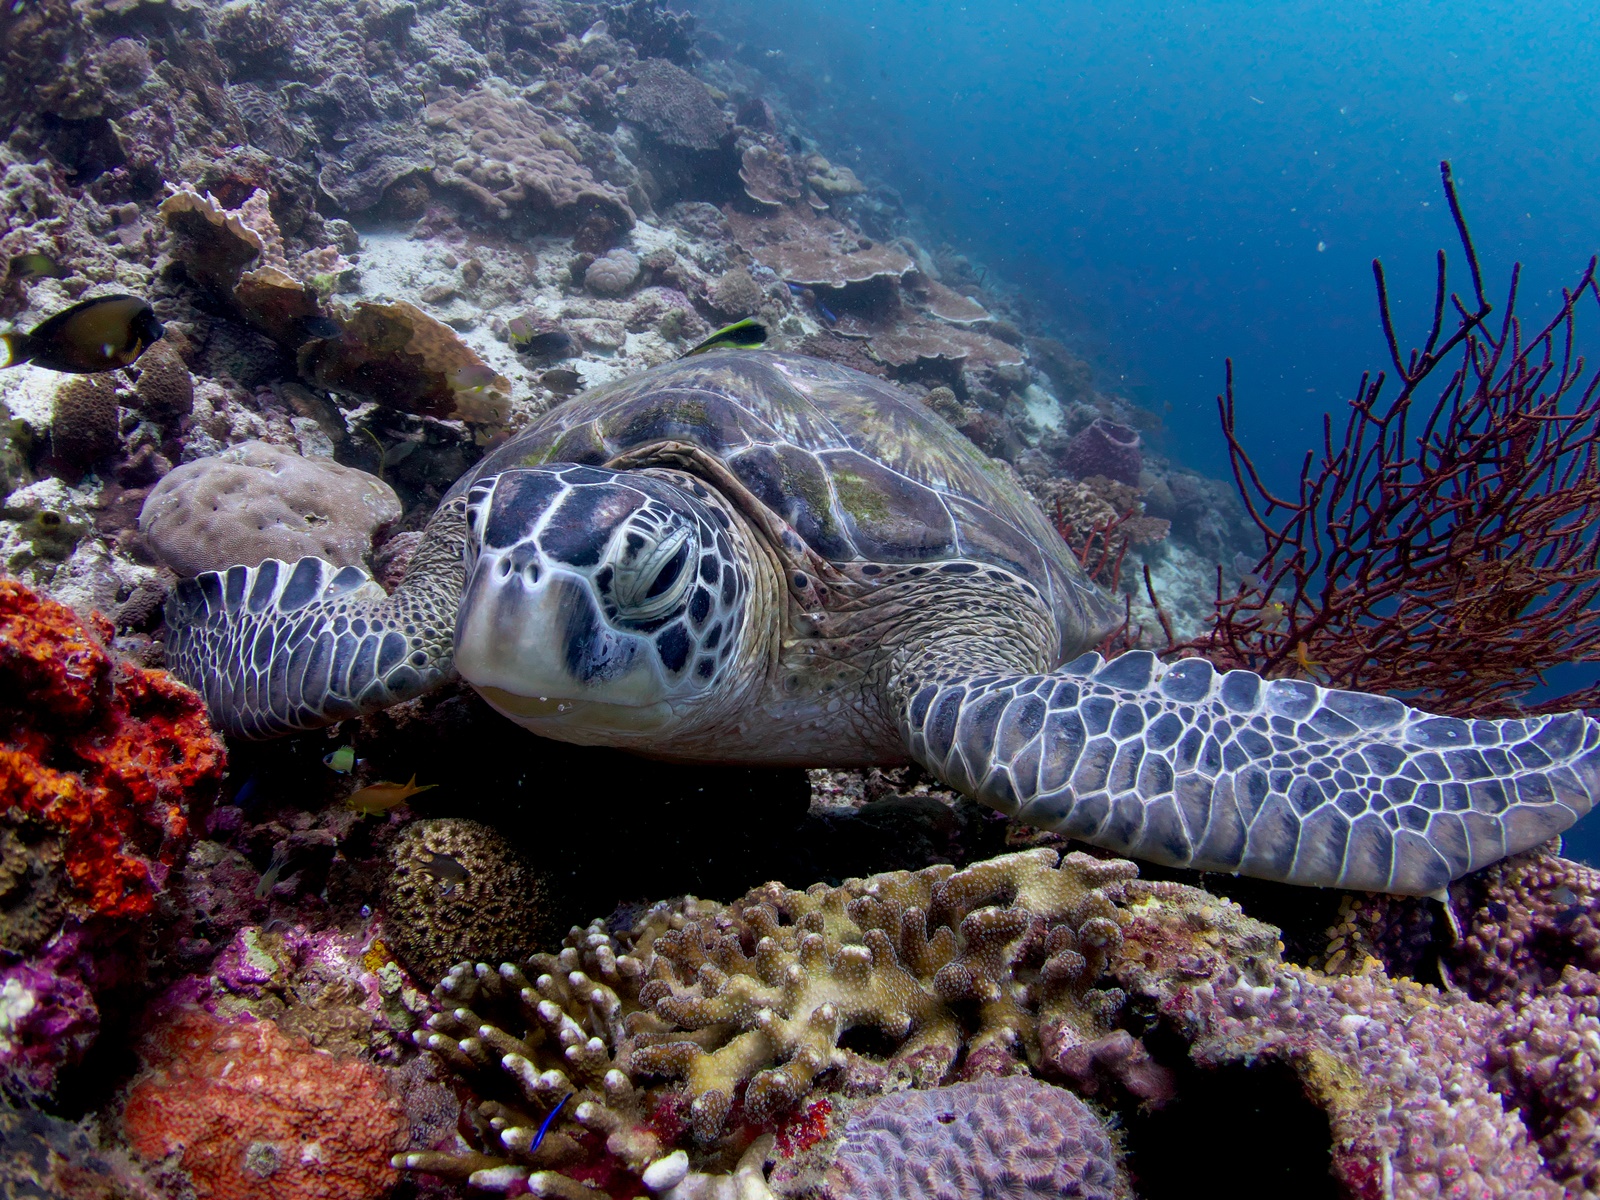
858, 469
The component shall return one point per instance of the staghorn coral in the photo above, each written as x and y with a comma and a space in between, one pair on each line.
674, 106
506, 155
749, 1005
398, 356
458, 890
83, 422
1524, 921
255, 1114
256, 501
105, 754
971, 1141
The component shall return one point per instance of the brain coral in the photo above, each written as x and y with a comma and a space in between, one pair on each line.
165, 389
612, 274
458, 890
1014, 1138
258, 1115
83, 423
256, 501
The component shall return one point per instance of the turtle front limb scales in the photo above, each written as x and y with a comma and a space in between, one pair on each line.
1278, 779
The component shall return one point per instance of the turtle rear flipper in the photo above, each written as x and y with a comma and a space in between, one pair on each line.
1279, 779
282, 647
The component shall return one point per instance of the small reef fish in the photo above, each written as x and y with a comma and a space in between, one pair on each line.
445, 870
473, 378
826, 313
535, 342
343, 760
383, 795
745, 335
544, 1125
35, 266
95, 335
269, 877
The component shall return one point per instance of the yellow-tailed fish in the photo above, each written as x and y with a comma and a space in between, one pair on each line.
95, 335
383, 795
743, 335
342, 760
35, 266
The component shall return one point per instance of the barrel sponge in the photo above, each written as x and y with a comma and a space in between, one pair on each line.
1013, 1137
256, 501
457, 890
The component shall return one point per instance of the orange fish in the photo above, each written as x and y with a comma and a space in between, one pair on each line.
383, 795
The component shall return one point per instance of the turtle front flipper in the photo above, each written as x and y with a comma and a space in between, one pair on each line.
282, 647
1278, 779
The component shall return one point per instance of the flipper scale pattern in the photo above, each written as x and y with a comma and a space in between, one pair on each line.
1279, 779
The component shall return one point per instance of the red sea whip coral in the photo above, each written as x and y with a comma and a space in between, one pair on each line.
1442, 548
103, 752
256, 1114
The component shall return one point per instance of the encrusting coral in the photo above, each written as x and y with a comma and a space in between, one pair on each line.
458, 890
1012, 1137
106, 754
255, 1114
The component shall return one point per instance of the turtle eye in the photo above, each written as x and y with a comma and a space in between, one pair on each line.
651, 582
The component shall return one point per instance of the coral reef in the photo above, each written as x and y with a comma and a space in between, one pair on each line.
982, 971
83, 425
103, 753
256, 501
456, 890
43, 1157
674, 106
397, 355
1104, 448
995, 1137
612, 274
254, 1113
165, 389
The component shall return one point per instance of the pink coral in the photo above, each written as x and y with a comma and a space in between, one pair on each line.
1524, 920
1012, 1137
256, 1114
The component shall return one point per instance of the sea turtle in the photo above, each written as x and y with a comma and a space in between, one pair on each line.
756, 557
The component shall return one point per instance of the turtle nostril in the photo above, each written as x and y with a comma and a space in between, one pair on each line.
504, 567
531, 572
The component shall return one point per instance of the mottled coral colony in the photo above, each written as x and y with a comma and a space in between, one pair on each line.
379, 237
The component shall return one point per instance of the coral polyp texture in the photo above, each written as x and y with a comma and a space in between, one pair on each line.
104, 754
456, 890
1012, 1137
255, 1114
700, 1022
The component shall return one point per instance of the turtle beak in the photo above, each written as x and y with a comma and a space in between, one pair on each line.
534, 636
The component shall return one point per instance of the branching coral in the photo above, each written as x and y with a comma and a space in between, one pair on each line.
1446, 549
259, 1115
906, 978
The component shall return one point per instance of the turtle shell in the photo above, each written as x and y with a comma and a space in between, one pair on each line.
862, 472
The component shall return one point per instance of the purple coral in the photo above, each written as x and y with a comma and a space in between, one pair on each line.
1104, 448
48, 1019
1013, 1137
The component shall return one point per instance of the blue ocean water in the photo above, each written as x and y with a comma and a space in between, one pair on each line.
1177, 183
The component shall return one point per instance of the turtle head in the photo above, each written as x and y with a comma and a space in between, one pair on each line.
600, 606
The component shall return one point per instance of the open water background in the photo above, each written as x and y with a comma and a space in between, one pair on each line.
1177, 183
